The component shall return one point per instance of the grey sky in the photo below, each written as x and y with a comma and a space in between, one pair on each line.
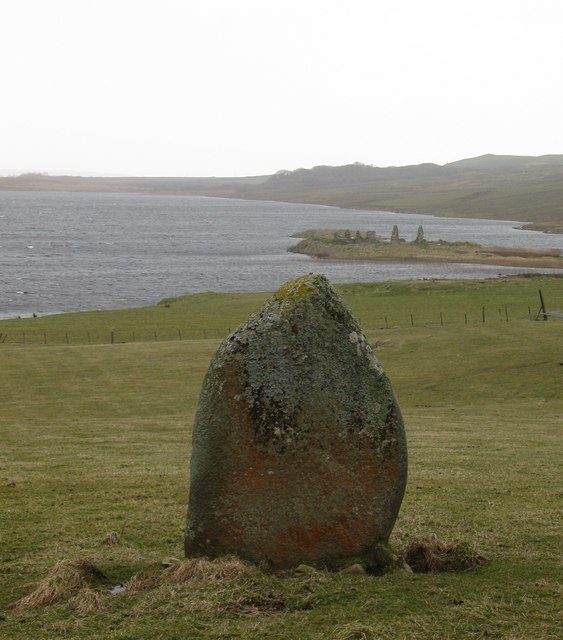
223, 87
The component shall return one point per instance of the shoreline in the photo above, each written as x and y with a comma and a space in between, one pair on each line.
552, 228
496, 278
327, 244
517, 262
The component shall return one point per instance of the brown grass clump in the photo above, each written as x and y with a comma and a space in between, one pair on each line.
205, 570
430, 555
66, 579
113, 538
354, 631
141, 582
86, 601
261, 605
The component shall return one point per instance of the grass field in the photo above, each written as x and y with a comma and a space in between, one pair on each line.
96, 439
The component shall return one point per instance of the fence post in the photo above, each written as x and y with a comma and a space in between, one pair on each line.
543, 310
441, 319
412, 321
465, 314
66, 337
44, 338
179, 334
88, 334
386, 323
111, 337
506, 312
23, 337
155, 337
483, 311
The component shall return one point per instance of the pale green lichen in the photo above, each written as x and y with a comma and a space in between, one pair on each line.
298, 385
304, 342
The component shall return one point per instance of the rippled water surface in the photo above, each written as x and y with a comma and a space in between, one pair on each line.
77, 251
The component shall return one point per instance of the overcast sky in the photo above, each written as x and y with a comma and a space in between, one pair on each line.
241, 87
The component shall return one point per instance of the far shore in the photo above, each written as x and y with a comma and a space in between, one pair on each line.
544, 227
255, 188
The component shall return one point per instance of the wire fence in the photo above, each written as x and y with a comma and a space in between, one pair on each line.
393, 320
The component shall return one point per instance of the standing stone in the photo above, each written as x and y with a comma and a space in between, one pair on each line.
420, 234
299, 453
395, 235
348, 234
371, 236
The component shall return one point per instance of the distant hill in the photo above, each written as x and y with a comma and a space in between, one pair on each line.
490, 162
356, 173
524, 188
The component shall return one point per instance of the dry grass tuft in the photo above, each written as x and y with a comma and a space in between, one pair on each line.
86, 601
112, 539
142, 582
354, 631
66, 579
430, 555
205, 570
262, 605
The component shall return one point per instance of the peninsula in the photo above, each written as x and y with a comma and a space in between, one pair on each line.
344, 244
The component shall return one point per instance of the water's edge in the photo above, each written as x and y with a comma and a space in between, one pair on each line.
76, 251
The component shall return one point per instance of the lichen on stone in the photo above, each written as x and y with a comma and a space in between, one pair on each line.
298, 436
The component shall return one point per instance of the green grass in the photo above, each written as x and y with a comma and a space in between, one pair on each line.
213, 315
96, 438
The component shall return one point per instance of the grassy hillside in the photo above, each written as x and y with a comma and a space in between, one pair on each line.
96, 439
164, 185
507, 188
525, 188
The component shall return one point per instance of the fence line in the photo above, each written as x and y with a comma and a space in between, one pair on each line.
405, 319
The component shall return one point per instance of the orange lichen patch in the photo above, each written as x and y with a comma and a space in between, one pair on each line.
307, 541
386, 470
268, 485
252, 478
229, 533
299, 451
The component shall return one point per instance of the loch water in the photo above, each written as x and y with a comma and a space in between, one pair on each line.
82, 251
